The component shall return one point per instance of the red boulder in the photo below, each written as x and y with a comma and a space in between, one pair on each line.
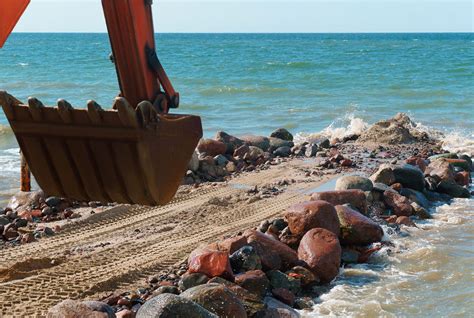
273, 253
462, 178
355, 197
255, 282
357, 229
321, 251
211, 147
399, 204
211, 263
308, 215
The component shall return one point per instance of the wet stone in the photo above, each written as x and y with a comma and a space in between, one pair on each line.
53, 201
192, 279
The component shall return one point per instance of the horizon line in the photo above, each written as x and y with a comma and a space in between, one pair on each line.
300, 32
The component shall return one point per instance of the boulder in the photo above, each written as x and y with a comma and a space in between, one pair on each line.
273, 253
217, 299
417, 162
253, 303
282, 152
311, 150
357, 229
245, 259
172, 306
189, 280
211, 147
453, 189
277, 309
420, 212
354, 182
384, 175
321, 251
416, 196
210, 263
282, 133
441, 169
230, 142
230, 245
276, 143
74, 309
255, 282
356, 198
100, 307
241, 151
399, 204
320, 142
284, 295
410, 176
257, 141
281, 280
462, 178
254, 153
306, 277
26, 200
308, 215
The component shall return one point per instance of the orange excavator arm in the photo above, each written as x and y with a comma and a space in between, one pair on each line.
10, 13
133, 153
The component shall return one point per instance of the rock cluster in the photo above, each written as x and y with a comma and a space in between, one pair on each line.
217, 159
19, 220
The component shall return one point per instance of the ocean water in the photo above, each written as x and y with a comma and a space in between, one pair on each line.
333, 84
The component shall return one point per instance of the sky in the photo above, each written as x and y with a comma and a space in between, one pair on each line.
214, 16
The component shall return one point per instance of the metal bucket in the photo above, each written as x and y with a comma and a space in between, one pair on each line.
122, 155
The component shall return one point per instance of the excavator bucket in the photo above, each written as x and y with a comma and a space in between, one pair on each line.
10, 13
125, 155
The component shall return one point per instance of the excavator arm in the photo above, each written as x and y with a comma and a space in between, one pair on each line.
133, 153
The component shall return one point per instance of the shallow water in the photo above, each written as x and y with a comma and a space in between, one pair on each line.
334, 84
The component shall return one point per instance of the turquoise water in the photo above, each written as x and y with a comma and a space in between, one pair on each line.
309, 83
253, 83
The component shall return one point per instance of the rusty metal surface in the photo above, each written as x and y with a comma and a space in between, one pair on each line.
10, 13
123, 155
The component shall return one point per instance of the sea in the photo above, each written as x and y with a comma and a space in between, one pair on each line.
331, 84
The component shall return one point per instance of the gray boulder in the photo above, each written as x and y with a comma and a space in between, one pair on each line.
282, 133
257, 141
231, 142
453, 189
172, 306
410, 176
416, 196
277, 309
354, 182
384, 175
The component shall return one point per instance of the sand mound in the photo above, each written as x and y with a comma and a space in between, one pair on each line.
397, 130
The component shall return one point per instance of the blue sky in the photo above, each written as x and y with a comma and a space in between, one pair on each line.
263, 16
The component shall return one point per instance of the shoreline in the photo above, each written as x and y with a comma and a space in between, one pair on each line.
288, 181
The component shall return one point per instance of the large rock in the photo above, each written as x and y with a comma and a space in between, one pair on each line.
74, 309
273, 253
384, 175
410, 176
305, 216
453, 189
218, 299
399, 204
357, 229
26, 200
277, 309
282, 152
211, 147
321, 251
441, 169
193, 164
252, 302
356, 198
282, 133
230, 142
415, 196
230, 245
172, 306
255, 282
254, 153
211, 263
418, 162
281, 280
354, 182
190, 280
276, 143
257, 141
245, 259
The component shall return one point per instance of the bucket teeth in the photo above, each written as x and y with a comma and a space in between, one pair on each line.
126, 112
35, 106
7, 101
65, 110
147, 113
94, 111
